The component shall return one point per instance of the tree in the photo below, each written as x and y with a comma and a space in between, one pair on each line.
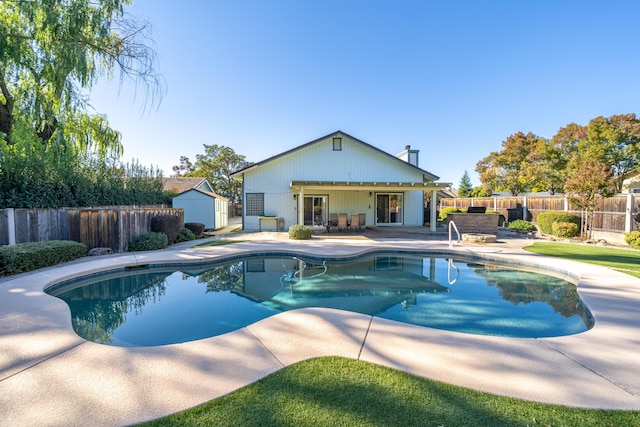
480, 191
465, 188
185, 167
544, 167
217, 165
505, 169
588, 179
52, 50
618, 138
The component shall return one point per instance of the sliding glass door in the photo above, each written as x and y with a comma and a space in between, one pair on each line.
389, 208
315, 210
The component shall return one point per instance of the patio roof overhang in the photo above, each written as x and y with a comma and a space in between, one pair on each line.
367, 185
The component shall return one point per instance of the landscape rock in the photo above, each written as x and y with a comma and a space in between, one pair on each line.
478, 238
100, 251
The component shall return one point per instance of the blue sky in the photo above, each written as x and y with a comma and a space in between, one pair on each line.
451, 78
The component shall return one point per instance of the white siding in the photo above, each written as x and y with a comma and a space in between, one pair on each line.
197, 207
319, 162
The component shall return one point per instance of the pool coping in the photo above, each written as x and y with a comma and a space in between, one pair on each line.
50, 376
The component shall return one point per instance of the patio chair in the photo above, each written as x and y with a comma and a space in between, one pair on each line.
342, 221
333, 222
355, 222
363, 218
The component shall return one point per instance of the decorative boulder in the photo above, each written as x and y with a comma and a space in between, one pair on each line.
100, 251
478, 238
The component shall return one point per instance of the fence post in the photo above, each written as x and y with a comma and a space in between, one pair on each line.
495, 203
566, 203
627, 214
11, 225
524, 207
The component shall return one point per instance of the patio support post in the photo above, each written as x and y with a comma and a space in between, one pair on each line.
432, 219
300, 205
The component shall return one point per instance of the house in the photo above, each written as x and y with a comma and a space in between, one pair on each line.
199, 201
336, 173
632, 184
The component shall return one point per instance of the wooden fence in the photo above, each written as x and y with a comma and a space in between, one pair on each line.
615, 214
112, 227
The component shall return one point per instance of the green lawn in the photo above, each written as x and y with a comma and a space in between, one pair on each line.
625, 260
343, 392
335, 391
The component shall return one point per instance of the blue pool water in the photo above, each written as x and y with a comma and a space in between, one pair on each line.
157, 306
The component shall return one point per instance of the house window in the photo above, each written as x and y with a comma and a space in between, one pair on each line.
255, 266
388, 263
635, 190
337, 144
255, 204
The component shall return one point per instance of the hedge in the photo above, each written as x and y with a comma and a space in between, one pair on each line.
633, 239
167, 224
150, 241
184, 235
196, 227
521, 225
564, 229
546, 219
25, 257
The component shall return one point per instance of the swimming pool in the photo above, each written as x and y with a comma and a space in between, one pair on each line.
164, 305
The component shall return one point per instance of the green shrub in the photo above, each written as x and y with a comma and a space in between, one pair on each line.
564, 229
521, 225
31, 256
167, 224
300, 232
150, 241
633, 239
196, 227
546, 219
184, 235
446, 211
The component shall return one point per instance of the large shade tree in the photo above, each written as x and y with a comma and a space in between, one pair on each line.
613, 142
618, 141
544, 168
505, 170
217, 164
52, 52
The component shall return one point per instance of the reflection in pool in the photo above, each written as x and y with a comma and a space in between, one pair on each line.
157, 306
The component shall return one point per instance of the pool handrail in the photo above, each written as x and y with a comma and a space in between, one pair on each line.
452, 224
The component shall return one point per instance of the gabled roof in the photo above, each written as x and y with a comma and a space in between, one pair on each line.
337, 133
208, 193
179, 184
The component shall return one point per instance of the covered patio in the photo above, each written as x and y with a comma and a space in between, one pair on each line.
384, 203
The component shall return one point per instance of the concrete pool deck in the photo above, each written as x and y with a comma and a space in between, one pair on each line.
51, 376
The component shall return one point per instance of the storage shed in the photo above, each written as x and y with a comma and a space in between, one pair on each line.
199, 201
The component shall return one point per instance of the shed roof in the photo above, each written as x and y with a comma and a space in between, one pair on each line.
181, 184
207, 193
